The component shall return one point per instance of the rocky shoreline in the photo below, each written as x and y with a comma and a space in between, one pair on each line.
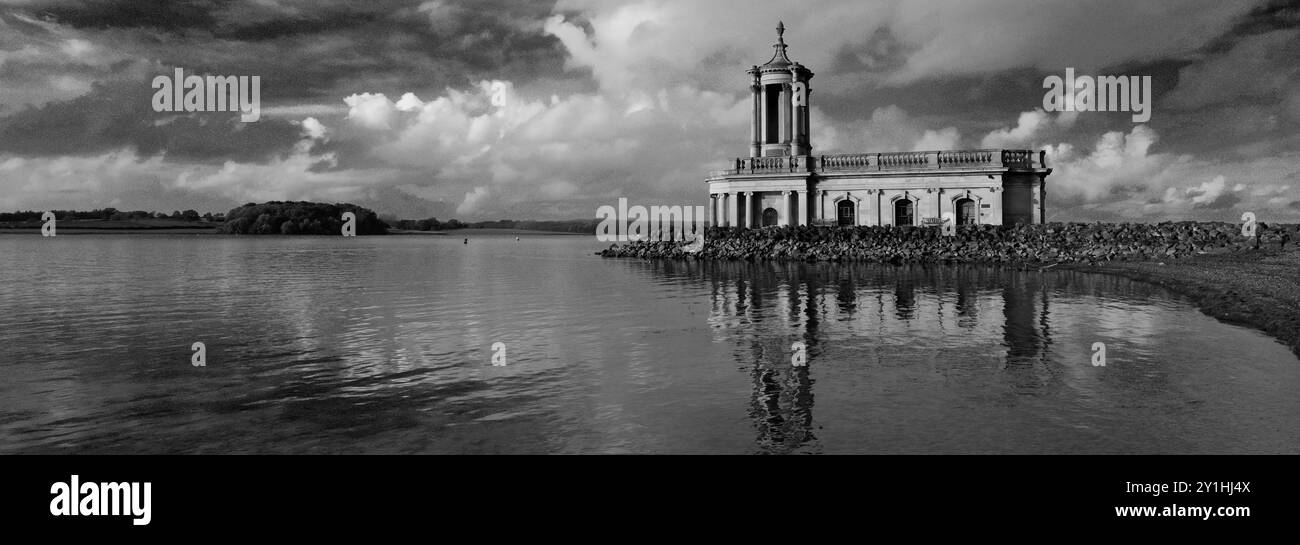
1042, 244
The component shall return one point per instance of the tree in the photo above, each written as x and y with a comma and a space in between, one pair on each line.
306, 217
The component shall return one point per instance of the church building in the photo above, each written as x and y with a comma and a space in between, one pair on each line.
782, 182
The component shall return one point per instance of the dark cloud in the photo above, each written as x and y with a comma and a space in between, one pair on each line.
313, 51
1128, 190
1273, 15
164, 15
120, 114
880, 53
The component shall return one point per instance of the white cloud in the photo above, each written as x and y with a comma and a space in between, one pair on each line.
94, 181
314, 129
409, 103
300, 176
1116, 158
574, 150
1032, 125
81, 182
944, 139
370, 110
1121, 179
1208, 192
889, 128
473, 201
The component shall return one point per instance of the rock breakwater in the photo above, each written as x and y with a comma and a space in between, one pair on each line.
1031, 244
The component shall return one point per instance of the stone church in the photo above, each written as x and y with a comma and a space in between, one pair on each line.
783, 183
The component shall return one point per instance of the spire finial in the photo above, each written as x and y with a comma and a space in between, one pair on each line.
780, 31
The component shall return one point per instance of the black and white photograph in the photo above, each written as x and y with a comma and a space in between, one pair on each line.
649, 227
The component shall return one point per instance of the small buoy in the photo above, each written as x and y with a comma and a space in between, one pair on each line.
466, 241
516, 239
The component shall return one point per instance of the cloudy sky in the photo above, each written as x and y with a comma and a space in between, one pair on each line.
389, 104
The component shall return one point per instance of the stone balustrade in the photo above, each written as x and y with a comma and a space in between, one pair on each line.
896, 161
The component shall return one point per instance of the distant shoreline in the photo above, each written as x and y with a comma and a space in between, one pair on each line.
69, 228
114, 231
471, 231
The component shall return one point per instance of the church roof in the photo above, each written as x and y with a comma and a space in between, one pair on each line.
779, 58
780, 62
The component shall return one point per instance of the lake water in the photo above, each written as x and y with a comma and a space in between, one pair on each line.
385, 345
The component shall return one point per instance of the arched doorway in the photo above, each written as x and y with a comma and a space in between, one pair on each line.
903, 212
769, 217
966, 212
846, 213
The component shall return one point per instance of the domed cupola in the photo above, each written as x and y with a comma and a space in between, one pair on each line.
780, 97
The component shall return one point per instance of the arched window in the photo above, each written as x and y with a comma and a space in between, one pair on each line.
846, 213
966, 212
769, 217
903, 212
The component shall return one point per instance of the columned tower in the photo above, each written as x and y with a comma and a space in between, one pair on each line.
780, 96
782, 183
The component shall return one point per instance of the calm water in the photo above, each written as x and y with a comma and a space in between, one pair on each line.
334, 345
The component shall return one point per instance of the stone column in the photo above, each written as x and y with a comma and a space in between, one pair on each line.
755, 146
734, 212
801, 208
785, 209
821, 205
785, 113
1042, 195
721, 203
1035, 215
806, 139
796, 126
747, 211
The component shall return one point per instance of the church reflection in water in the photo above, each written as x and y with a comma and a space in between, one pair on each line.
871, 315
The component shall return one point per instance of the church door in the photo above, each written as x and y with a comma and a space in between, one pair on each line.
966, 212
903, 212
769, 217
846, 213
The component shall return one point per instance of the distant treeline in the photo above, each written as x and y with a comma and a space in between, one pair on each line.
562, 226
299, 218
109, 214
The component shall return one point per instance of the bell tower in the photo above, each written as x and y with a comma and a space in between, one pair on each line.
780, 92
